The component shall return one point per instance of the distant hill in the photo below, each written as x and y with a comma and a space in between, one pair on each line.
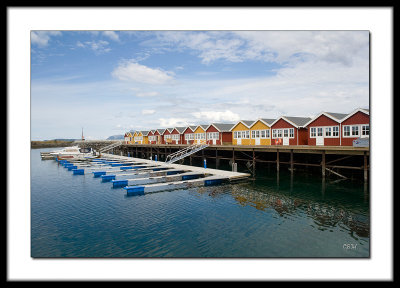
116, 137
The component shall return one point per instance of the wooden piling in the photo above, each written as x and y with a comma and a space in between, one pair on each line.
323, 164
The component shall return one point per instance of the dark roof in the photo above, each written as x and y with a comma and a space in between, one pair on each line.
298, 121
247, 122
338, 116
161, 131
180, 129
223, 127
145, 133
268, 121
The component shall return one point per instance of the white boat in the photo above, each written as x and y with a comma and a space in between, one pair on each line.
74, 153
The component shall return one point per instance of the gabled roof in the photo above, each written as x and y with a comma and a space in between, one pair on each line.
204, 127
266, 121
297, 122
160, 131
145, 133
365, 111
191, 128
170, 129
246, 123
152, 131
221, 127
334, 116
180, 129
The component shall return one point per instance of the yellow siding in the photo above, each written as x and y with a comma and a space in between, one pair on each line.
145, 140
260, 126
198, 131
244, 141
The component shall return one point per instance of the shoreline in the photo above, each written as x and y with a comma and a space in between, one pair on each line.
50, 144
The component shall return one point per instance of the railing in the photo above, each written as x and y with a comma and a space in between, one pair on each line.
111, 146
176, 156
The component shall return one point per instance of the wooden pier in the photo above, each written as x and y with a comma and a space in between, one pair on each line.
332, 161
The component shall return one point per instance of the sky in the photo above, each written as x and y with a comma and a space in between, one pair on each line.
110, 82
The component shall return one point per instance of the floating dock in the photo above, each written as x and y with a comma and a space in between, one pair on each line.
141, 176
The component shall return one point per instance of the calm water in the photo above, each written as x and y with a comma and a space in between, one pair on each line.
79, 216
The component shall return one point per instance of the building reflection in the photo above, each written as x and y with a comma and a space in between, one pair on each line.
324, 215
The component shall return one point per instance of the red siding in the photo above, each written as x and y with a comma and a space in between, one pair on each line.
320, 122
180, 138
213, 129
187, 131
226, 138
358, 118
303, 136
282, 124
151, 134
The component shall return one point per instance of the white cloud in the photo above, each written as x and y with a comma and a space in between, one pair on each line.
147, 94
112, 35
148, 111
132, 71
272, 46
99, 47
42, 38
174, 122
217, 116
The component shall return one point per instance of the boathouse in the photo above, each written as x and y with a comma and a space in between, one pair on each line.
200, 134
159, 134
177, 135
167, 136
324, 129
241, 132
188, 135
128, 138
289, 131
260, 132
151, 137
219, 134
355, 125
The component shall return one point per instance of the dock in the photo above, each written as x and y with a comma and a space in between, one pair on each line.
141, 176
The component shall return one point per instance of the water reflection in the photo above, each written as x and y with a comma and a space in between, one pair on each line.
329, 204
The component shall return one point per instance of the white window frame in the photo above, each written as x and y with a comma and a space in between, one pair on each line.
313, 132
335, 130
357, 128
362, 131
344, 131
267, 134
291, 133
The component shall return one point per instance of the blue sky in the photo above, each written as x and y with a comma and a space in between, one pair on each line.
109, 82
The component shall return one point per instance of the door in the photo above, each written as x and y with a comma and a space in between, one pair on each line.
319, 140
239, 141
285, 137
257, 140
214, 141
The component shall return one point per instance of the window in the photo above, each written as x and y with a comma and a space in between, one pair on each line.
247, 133
313, 132
335, 131
273, 133
354, 130
262, 133
253, 134
267, 133
365, 130
328, 131
239, 134
346, 130
257, 133
319, 131
285, 132
291, 132
279, 134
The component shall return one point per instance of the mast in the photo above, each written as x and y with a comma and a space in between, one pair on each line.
83, 138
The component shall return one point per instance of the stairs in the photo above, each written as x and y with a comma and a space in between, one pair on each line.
111, 146
184, 152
